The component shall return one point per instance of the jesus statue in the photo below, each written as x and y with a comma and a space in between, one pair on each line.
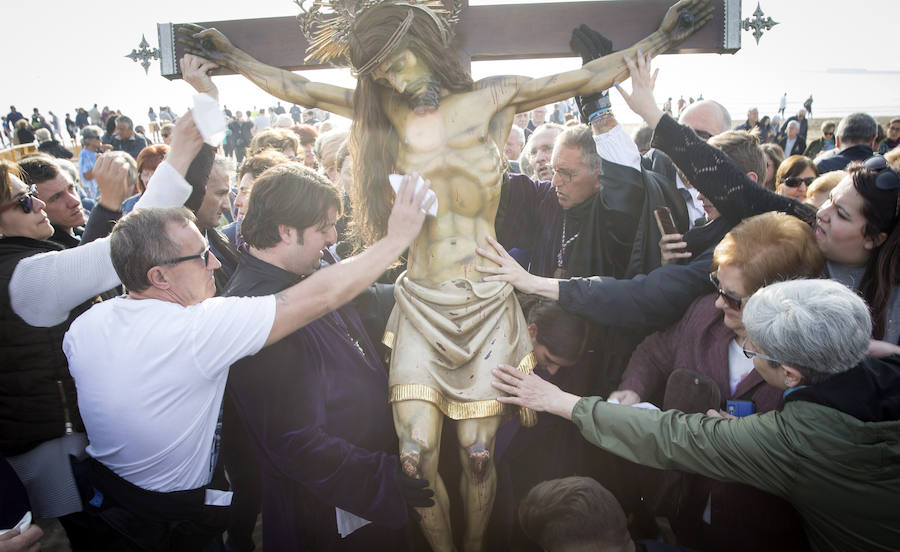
415, 109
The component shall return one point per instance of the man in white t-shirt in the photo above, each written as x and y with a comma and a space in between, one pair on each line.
150, 367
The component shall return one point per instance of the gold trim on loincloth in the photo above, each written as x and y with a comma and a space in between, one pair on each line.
457, 410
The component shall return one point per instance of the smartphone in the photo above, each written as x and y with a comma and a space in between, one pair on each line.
665, 221
740, 408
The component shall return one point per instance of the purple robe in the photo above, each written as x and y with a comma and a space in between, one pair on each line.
315, 408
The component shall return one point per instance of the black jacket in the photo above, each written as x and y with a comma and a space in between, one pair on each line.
37, 393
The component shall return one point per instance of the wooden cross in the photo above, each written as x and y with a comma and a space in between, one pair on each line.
498, 32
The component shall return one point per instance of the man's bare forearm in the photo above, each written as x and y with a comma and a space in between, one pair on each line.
547, 287
330, 288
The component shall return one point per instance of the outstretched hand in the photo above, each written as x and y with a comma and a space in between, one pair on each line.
641, 99
195, 71
507, 269
532, 391
410, 209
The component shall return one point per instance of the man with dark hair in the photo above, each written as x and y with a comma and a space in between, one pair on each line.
125, 139
57, 190
313, 403
855, 139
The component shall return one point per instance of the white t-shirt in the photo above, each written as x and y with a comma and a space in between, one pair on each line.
738, 365
150, 376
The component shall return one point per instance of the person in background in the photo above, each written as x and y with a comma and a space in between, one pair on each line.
856, 135
791, 141
892, 140
308, 135
23, 133
165, 131
249, 171
91, 145
794, 176
147, 162
825, 143
774, 158
51, 146
326, 149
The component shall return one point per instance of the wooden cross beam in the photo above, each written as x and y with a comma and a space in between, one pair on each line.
497, 32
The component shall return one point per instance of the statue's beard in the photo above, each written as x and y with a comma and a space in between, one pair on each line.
427, 102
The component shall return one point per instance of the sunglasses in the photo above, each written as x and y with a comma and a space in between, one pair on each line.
733, 301
751, 354
794, 181
828, 133
204, 256
26, 202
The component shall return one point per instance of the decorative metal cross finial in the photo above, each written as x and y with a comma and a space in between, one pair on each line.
758, 23
145, 54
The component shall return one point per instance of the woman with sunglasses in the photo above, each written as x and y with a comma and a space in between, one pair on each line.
831, 452
856, 229
707, 342
794, 176
45, 287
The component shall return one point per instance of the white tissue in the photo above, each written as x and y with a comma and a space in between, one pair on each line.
644, 405
209, 118
395, 180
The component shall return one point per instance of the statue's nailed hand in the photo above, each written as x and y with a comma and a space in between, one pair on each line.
208, 44
685, 18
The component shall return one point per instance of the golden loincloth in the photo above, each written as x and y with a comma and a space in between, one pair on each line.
446, 341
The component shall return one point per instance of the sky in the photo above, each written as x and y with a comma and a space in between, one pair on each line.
67, 54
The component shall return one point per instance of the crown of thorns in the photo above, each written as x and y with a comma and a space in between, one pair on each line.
327, 25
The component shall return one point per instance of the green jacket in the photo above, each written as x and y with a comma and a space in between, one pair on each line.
842, 474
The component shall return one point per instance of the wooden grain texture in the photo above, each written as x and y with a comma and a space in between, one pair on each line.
522, 31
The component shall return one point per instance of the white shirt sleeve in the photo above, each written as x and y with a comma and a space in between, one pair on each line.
618, 147
45, 287
226, 329
167, 188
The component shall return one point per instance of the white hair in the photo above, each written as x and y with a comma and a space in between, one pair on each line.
518, 132
819, 327
794, 124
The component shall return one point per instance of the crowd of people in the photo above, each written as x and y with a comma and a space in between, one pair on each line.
194, 333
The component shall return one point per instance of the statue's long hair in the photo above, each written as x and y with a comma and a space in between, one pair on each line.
374, 143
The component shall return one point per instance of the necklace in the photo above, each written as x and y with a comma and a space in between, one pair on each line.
563, 245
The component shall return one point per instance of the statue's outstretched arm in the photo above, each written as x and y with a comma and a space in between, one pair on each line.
681, 21
212, 45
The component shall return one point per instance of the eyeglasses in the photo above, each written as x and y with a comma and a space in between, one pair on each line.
733, 301
204, 256
795, 181
751, 354
828, 133
566, 174
26, 202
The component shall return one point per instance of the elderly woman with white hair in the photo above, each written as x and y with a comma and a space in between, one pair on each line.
833, 451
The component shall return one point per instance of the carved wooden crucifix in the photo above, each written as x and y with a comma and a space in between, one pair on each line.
496, 32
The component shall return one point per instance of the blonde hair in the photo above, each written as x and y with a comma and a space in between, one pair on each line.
825, 183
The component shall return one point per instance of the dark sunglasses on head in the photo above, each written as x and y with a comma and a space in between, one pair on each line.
204, 256
733, 301
795, 181
26, 202
887, 179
